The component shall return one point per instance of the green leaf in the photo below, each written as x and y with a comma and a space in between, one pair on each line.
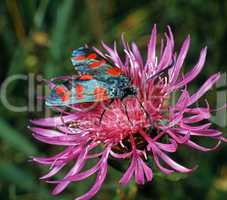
172, 177
16, 139
17, 63
40, 14
21, 178
59, 35
12, 174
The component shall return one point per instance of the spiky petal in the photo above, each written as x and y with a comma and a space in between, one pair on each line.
129, 131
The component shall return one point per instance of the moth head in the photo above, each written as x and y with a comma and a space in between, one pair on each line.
130, 91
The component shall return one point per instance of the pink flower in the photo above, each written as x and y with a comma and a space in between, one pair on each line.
146, 125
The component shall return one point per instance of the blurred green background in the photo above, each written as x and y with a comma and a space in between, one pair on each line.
37, 37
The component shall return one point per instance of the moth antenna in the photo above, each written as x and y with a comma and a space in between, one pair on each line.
50, 84
61, 110
72, 77
73, 108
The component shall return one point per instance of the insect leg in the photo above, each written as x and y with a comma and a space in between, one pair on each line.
102, 115
147, 114
126, 112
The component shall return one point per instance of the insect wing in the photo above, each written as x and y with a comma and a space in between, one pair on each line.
87, 61
78, 91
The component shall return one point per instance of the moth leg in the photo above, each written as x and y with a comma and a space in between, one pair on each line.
103, 112
126, 112
147, 114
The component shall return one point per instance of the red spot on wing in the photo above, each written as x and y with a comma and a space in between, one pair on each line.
79, 90
100, 94
92, 56
60, 90
97, 63
79, 58
114, 71
66, 96
63, 93
86, 77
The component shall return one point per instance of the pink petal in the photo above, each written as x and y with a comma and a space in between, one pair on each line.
128, 174
46, 132
205, 87
148, 172
76, 168
194, 72
54, 171
56, 140
201, 148
152, 47
178, 139
54, 121
157, 162
120, 156
172, 163
172, 147
96, 187
180, 61
195, 128
166, 58
137, 54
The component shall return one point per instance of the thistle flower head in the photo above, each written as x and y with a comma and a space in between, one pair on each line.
147, 125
